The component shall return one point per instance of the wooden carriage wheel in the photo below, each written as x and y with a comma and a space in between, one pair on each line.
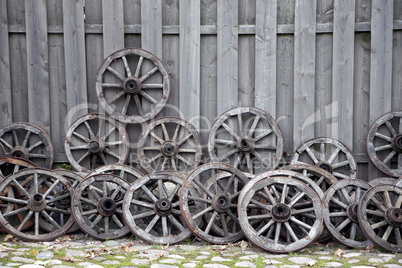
122, 87
384, 143
11, 165
94, 140
27, 141
247, 138
328, 154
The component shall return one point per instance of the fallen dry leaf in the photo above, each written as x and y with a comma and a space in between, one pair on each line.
161, 254
69, 258
311, 263
166, 247
338, 252
8, 237
243, 245
90, 255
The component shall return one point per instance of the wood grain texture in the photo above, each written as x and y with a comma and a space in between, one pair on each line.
113, 26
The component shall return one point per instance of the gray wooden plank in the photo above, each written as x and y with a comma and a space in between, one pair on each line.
38, 64
265, 56
151, 26
113, 26
363, 10
286, 12
209, 12
132, 12
304, 72
343, 65
54, 13
227, 93
397, 71
5, 85
325, 11
75, 59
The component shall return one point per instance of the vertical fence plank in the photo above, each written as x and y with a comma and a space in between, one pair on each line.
265, 55
37, 60
5, 85
396, 62
343, 65
113, 26
305, 31
228, 28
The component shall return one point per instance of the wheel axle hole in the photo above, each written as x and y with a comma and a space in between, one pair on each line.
222, 201
37, 197
108, 205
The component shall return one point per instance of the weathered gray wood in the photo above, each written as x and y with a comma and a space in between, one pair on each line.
397, 72
304, 72
5, 85
74, 47
151, 26
190, 60
343, 65
265, 56
37, 60
113, 26
325, 11
227, 14
286, 12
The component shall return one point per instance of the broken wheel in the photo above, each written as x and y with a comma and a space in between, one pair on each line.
122, 87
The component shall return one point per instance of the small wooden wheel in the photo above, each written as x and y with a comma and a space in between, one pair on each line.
328, 154
40, 193
27, 141
97, 206
384, 143
210, 192
380, 216
340, 212
125, 172
94, 140
289, 213
169, 143
247, 138
382, 181
11, 165
151, 209
123, 89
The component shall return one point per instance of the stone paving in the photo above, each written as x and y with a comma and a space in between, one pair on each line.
80, 251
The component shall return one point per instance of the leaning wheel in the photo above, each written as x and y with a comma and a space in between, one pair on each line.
40, 193
29, 142
11, 165
340, 212
97, 206
384, 143
169, 143
279, 214
125, 172
122, 87
328, 154
151, 209
380, 216
210, 193
247, 138
94, 140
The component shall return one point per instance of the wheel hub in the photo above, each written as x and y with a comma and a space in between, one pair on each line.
352, 212
132, 85
163, 207
37, 203
170, 148
246, 144
107, 206
63, 203
394, 216
325, 166
221, 203
20, 151
397, 143
281, 212
96, 146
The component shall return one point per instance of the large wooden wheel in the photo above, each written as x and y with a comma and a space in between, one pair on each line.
40, 193
94, 140
151, 209
328, 154
279, 214
340, 212
11, 165
380, 216
169, 143
125, 172
123, 88
384, 143
27, 141
210, 194
247, 138
97, 206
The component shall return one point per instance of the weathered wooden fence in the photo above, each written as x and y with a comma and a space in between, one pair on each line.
320, 67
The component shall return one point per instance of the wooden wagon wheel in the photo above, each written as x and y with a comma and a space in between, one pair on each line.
125, 172
384, 143
207, 194
94, 140
151, 209
328, 154
290, 216
169, 143
11, 165
121, 85
27, 141
97, 205
340, 212
380, 216
382, 181
247, 138
41, 192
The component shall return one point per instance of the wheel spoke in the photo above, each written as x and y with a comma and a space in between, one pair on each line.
116, 73
387, 232
176, 132
387, 199
37, 156
291, 232
156, 137
80, 147
112, 85
126, 104
128, 71
277, 232
184, 139
389, 157
174, 192
151, 72
138, 104
382, 148
183, 160
149, 193
312, 156
137, 71
235, 150
333, 155
50, 219
15, 212
296, 198
264, 134
25, 142
225, 142
95, 222
81, 137
211, 221
117, 221
6, 144
109, 152
270, 197
224, 225
383, 137
117, 96
152, 223
229, 183
173, 161
25, 221
91, 202
154, 158
16, 142
391, 129
340, 164
254, 125
231, 131
343, 224
165, 227
378, 224
353, 231
266, 227
142, 204
187, 150
338, 203
83, 157
284, 193
151, 85
240, 122
165, 133
148, 97
201, 213
144, 215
